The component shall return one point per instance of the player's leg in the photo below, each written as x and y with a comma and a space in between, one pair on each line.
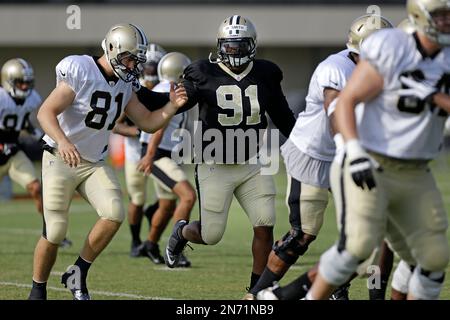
102, 190
159, 223
215, 186
362, 219
136, 187
422, 220
385, 263
256, 195
59, 183
173, 180
21, 170
402, 274
306, 205
170, 184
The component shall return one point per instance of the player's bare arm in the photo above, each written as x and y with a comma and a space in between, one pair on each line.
58, 101
123, 129
146, 163
364, 85
442, 100
329, 95
151, 121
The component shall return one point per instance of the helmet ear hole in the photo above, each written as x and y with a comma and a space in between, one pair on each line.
111, 47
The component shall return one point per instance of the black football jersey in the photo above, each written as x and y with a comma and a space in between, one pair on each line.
229, 102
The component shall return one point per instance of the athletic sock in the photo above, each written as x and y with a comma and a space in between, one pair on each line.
38, 291
253, 280
295, 290
379, 293
266, 280
135, 231
84, 268
150, 211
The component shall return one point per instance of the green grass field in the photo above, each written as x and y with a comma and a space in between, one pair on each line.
218, 272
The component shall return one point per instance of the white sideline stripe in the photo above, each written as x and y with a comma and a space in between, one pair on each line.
102, 293
166, 268
21, 231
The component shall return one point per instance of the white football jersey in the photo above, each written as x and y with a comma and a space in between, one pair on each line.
14, 117
312, 132
98, 103
178, 121
403, 127
132, 149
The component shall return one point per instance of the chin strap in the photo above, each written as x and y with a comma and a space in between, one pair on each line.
213, 61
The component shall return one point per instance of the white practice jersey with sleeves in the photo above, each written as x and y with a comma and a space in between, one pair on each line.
312, 132
97, 105
403, 127
132, 149
13, 116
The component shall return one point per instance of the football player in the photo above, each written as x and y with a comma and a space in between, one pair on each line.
77, 118
233, 93
18, 102
136, 182
308, 154
169, 178
403, 80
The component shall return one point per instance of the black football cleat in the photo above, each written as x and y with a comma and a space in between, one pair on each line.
137, 250
175, 245
151, 250
341, 293
183, 262
65, 244
77, 293
38, 294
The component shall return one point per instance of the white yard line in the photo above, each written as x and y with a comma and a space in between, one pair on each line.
94, 292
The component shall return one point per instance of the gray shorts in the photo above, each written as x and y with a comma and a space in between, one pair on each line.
304, 168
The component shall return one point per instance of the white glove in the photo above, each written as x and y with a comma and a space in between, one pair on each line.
417, 89
361, 165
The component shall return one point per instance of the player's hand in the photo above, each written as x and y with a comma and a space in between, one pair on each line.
361, 165
417, 89
69, 154
145, 165
178, 95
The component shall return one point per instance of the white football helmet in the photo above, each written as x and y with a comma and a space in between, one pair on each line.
236, 41
125, 41
432, 17
18, 78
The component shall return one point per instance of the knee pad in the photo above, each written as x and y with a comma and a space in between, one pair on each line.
435, 255
112, 208
289, 248
212, 233
426, 285
401, 277
337, 267
55, 227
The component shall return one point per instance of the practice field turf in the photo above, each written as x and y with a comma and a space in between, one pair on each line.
218, 272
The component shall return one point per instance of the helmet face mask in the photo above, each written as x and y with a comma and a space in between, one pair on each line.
431, 17
236, 42
125, 46
236, 52
18, 78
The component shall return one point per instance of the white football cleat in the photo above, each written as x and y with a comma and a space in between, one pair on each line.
267, 294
